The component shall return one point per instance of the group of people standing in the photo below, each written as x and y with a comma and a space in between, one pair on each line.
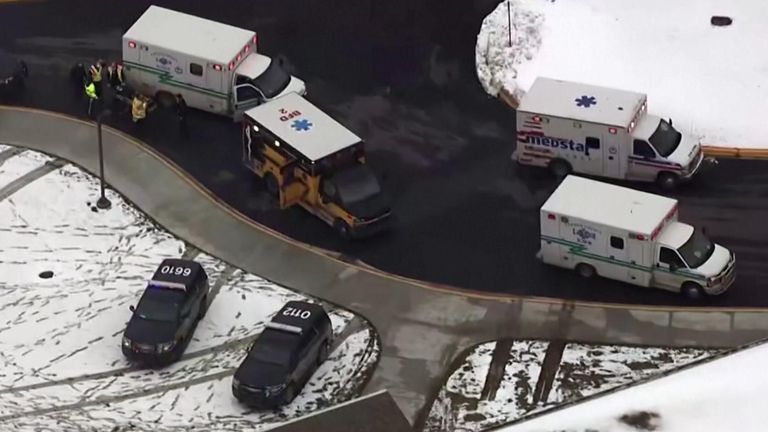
93, 81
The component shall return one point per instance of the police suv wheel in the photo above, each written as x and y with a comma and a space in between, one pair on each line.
692, 291
560, 168
585, 270
323, 354
290, 393
667, 180
203, 307
272, 186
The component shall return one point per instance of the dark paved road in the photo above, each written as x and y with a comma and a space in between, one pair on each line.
401, 75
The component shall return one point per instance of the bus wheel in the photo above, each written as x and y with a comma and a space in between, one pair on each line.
667, 180
272, 186
692, 291
559, 168
343, 229
585, 270
165, 99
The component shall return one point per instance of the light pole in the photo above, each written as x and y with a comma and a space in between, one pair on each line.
509, 22
103, 202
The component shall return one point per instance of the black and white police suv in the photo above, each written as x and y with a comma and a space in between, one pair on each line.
284, 356
163, 322
12, 75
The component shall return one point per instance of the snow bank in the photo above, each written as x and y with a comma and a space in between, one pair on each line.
710, 80
495, 57
62, 367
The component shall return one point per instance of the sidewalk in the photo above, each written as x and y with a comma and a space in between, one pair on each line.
421, 328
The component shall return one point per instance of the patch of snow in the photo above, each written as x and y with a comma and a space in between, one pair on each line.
469, 379
706, 78
496, 58
589, 369
584, 370
719, 395
62, 367
514, 396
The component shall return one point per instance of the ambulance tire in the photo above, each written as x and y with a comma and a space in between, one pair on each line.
560, 168
343, 229
165, 99
585, 270
692, 291
667, 180
273, 187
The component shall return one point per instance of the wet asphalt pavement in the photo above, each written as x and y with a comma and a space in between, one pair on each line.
401, 75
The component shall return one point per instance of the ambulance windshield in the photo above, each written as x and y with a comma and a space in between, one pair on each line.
357, 184
697, 250
665, 139
273, 81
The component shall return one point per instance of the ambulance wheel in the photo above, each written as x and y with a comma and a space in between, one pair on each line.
692, 291
560, 168
343, 229
585, 270
165, 99
272, 186
667, 180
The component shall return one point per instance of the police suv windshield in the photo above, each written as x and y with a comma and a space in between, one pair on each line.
665, 139
274, 347
273, 81
697, 250
160, 304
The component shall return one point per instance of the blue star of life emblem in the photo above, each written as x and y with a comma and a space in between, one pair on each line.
586, 101
301, 125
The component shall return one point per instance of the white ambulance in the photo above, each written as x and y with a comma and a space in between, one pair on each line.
572, 127
601, 229
214, 66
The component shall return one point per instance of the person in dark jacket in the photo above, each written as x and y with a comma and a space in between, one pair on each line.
181, 113
78, 77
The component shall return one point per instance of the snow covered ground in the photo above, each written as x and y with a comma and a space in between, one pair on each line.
60, 336
467, 403
723, 394
712, 81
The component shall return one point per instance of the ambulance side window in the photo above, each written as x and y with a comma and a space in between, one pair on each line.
617, 242
641, 148
246, 92
670, 257
195, 69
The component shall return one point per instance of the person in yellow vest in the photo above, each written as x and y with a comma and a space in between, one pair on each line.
138, 108
95, 72
93, 97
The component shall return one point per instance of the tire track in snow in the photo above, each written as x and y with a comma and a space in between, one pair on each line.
16, 185
9, 153
352, 327
222, 280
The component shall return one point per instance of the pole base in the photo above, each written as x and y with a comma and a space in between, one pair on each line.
103, 203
